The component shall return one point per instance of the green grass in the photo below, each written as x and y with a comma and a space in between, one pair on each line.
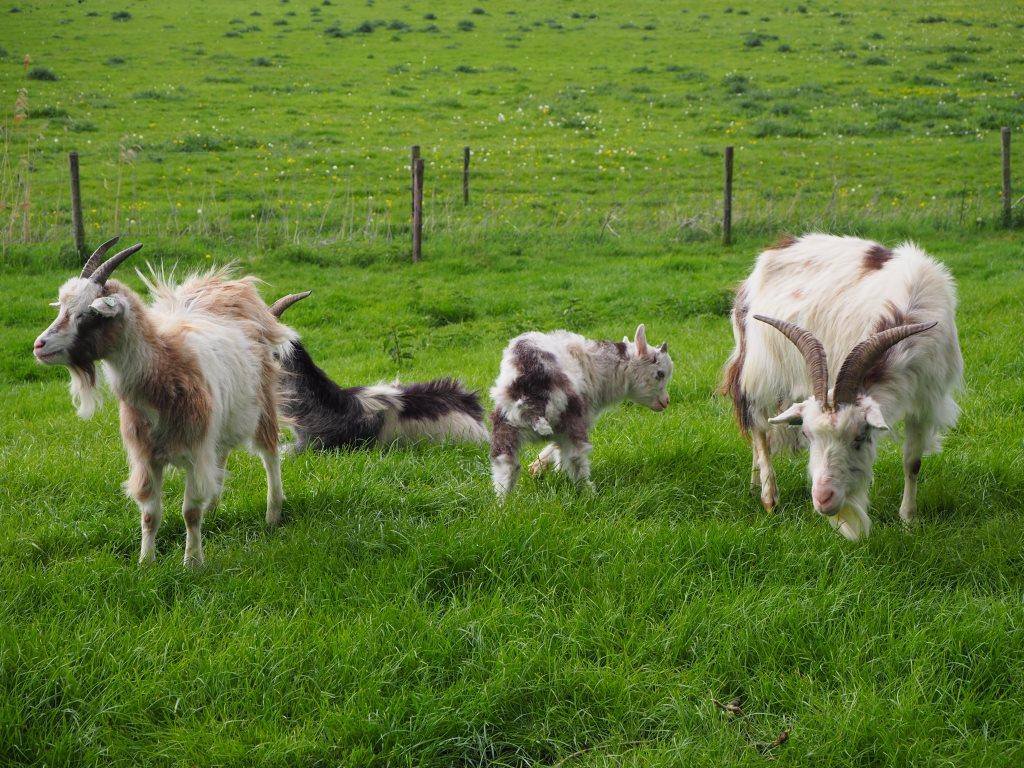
399, 616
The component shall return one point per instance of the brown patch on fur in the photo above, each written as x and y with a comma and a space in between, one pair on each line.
876, 257
785, 241
538, 377
734, 369
573, 421
135, 435
193, 516
798, 294
269, 394
894, 316
504, 437
236, 300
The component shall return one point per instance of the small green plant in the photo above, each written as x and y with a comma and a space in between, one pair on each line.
466, 25
121, 16
397, 344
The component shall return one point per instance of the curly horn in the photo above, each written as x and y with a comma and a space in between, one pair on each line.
97, 256
279, 306
866, 354
104, 270
811, 349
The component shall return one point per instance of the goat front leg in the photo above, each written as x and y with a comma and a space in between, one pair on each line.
145, 486
576, 462
913, 449
769, 489
549, 455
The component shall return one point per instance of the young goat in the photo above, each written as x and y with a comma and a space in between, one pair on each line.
890, 316
196, 375
324, 415
555, 385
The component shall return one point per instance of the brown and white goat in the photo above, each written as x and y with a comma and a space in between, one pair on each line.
195, 372
555, 385
890, 316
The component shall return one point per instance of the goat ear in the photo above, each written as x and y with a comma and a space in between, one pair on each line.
641, 340
664, 347
793, 416
108, 306
873, 414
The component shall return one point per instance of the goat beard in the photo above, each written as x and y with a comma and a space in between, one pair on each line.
85, 395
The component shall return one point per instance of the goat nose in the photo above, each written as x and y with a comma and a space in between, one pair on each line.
824, 497
40, 343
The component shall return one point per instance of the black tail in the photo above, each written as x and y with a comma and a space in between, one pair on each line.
435, 399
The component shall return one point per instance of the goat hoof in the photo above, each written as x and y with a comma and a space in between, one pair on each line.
769, 504
536, 468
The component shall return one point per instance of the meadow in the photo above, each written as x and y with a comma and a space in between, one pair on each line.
400, 616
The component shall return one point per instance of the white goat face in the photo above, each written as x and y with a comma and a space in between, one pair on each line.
842, 447
75, 337
649, 370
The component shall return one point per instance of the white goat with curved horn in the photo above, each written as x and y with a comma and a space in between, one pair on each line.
196, 374
890, 316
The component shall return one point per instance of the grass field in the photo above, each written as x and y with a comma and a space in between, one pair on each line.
270, 123
399, 616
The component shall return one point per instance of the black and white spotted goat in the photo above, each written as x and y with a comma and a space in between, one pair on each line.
554, 386
890, 316
325, 416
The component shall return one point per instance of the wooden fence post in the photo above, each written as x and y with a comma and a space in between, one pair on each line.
727, 202
465, 175
1007, 188
414, 156
417, 210
77, 227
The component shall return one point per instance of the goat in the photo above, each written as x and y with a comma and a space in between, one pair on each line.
195, 373
326, 416
555, 385
890, 316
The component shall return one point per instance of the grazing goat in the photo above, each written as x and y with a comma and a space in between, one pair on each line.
325, 416
890, 316
555, 385
196, 374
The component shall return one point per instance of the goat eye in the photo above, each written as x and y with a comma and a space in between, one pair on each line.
660, 375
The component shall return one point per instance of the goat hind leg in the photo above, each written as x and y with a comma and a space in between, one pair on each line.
275, 490
549, 455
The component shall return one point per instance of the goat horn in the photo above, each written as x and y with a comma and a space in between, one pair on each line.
278, 307
863, 356
97, 256
104, 270
811, 349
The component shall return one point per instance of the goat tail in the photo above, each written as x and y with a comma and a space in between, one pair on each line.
441, 410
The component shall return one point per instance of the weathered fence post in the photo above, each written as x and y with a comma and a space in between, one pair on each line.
465, 175
727, 202
414, 156
77, 227
1007, 189
417, 210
